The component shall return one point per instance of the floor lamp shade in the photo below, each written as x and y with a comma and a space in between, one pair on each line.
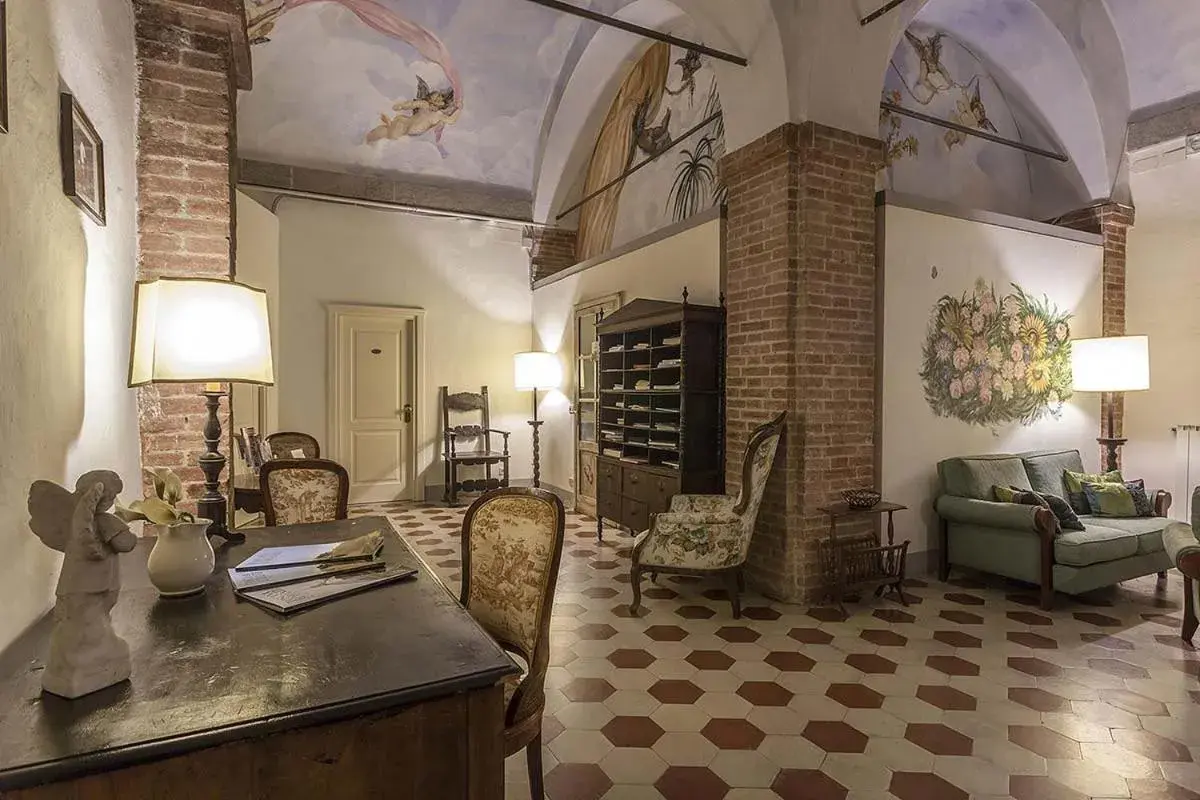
197, 330
536, 370
1111, 364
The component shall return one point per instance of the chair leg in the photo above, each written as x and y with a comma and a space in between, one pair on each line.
731, 589
533, 757
635, 580
741, 580
1190, 623
1162, 576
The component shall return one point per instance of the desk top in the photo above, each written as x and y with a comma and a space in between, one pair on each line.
211, 669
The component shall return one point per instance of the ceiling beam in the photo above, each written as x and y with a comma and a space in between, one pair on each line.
982, 134
649, 33
879, 12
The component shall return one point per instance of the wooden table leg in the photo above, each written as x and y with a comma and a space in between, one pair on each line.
891, 530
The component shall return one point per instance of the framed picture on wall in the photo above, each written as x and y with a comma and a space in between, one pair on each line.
82, 155
3, 69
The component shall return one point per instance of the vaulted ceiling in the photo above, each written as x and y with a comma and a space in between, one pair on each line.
465, 91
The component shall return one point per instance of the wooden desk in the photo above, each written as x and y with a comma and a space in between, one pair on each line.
395, 692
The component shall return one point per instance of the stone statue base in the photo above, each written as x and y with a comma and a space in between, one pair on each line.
86, 655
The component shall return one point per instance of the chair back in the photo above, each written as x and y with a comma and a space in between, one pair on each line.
756, 469
284, 444
460, 405
299, 490
512, 542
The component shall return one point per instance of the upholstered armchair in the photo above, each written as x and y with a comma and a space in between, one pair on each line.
300, 490
710, 534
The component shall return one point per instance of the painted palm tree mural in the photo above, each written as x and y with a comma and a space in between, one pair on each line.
667, 92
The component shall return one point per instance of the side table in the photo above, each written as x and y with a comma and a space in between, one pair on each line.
864, 563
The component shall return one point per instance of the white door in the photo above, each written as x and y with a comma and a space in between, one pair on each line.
373, 413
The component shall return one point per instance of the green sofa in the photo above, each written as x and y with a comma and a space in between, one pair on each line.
1025, 542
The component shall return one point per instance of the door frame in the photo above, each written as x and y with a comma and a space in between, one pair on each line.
334, 314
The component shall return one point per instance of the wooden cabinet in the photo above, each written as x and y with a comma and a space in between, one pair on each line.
661, 416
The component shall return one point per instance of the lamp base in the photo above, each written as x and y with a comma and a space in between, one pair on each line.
1111, 446
213, 505
536, 424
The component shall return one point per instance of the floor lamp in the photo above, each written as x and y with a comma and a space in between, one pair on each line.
1111, 364
533, 371
202, 330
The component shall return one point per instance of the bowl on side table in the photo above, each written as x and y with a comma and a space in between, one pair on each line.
861, 498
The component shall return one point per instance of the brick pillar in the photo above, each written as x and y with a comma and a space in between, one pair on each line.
1112, 221
191, 54
551, 250
801, 315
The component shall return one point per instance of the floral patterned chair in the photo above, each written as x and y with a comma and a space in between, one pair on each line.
298, 490
512, 541
284, 444
704, 534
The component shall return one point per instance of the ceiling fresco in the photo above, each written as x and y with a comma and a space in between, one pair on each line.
1161, 40
404, 86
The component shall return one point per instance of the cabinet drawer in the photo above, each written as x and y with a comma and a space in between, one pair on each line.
662, 489
636, 484
608, 478
608, 506
635, 515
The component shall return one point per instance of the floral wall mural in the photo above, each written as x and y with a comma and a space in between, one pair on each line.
666, 93
934, 73
990, 360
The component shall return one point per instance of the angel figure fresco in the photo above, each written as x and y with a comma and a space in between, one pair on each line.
85, 652
934, 77
969, 111
429, 111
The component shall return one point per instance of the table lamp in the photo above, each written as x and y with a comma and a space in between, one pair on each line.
532, 371
202, 330
1111, 364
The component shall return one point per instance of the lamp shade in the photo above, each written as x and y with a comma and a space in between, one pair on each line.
536, 370
192, 330
1111, 364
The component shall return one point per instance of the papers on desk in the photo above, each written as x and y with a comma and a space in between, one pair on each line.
287, 579
364, 548
296, 596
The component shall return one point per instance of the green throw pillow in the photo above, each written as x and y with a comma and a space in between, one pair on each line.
1110, 500
1004, 494
1075, 481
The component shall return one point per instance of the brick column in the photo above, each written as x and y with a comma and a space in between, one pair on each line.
551, 250
801, 313
1112, 221
192, 56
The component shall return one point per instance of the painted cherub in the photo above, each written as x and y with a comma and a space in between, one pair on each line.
85, 652
428, 111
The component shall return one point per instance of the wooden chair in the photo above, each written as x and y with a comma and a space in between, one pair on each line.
710, 534
284, 443
512, 542
297, 490
477, 441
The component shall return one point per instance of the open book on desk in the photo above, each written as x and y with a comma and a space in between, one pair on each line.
296, 596
363, 548
244, 581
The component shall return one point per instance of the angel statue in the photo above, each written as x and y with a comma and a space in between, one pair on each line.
85, 653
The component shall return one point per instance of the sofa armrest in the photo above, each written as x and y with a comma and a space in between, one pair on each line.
1013, 516
1162, 502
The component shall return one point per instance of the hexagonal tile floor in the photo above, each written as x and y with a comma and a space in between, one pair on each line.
970, 692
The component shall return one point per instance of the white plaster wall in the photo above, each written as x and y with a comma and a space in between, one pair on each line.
656, 272
472, 279
258, 265
66, 301
914, 438
1162, 300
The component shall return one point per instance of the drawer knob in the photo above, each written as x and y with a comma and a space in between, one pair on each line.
633, 478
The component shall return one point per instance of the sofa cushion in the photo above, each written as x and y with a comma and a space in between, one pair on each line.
1073, 482
974, 476
1148, 530
1094, 545
1110, 500
1046, 468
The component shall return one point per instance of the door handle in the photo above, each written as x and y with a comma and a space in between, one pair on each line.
406, 412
